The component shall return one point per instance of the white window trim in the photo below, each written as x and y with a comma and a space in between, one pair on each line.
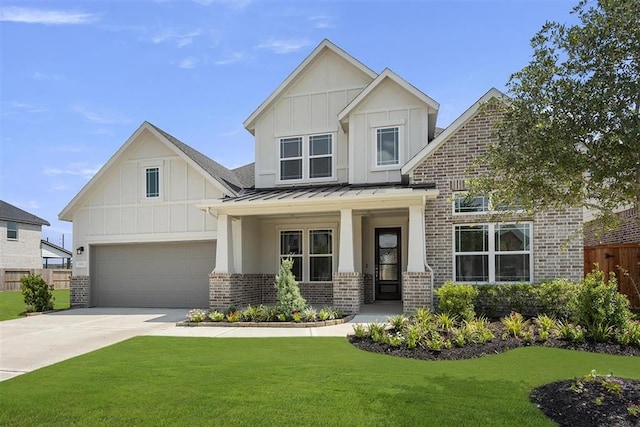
489, 211
13, 239
306, 248
306, 158
150, 165
400, 124
491, 253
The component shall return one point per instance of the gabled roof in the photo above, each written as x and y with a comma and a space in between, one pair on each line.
49, 250
249, 123
8, 212
223, 178
451, 129
386, 74
246, 175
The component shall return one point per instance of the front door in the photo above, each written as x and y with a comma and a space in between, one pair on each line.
387, 274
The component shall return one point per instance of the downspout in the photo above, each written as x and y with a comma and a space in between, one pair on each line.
424, 253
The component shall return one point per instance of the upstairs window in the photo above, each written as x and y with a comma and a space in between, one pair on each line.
152, 180
387, 146
466, 204
12, 230
291, 158
320, 154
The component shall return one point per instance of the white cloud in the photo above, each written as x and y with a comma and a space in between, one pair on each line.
15, 107
74, 169
231, 58
179, 39
321, 21
188, 63
46, 76
27, 15
101, 117
230, 4
284, 46
59, 187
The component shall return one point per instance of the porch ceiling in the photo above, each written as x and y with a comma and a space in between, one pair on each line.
326, 198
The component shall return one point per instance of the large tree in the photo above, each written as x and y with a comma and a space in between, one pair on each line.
570, 134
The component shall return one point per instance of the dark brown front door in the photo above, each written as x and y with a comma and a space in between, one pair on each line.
387, 275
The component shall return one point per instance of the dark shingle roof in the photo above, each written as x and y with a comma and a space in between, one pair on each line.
9, 212
246, 175
213, 168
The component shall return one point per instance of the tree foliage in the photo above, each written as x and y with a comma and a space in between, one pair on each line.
288, 298
570, 135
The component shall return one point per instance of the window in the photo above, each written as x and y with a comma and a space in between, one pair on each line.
291, 158
152, 179
320, 148
492, 253
320, 256
387, 146
12, 230
465, 204
311, 251
291, 246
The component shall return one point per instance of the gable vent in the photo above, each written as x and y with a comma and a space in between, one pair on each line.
458, 184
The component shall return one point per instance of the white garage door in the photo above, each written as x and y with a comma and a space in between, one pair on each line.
152, 274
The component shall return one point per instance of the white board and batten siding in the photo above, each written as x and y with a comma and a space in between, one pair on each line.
116, 209
309, 106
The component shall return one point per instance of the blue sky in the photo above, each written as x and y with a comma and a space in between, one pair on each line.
78, 78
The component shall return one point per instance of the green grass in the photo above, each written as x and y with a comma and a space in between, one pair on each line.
12, 303
163, 381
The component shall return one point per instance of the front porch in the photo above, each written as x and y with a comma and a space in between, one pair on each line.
345, 257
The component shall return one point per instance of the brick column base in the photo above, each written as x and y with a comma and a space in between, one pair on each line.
234, 290
348, 292
79, 291
416, 291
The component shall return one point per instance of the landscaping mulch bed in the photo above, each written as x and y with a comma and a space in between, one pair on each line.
556, 400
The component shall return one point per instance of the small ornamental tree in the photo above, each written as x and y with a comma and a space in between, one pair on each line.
288, 298
38, 296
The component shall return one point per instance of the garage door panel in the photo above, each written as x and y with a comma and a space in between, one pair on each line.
152, 275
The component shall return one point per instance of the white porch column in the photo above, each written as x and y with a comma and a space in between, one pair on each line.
416, 252
346, 256
224, 250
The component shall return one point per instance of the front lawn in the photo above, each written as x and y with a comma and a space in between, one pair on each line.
12, 303
289, 381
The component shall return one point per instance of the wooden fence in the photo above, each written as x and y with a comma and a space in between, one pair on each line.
10, 278
612, 256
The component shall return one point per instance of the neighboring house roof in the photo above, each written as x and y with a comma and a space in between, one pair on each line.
246, 175
389, 74
458, 123
49, 250
320, 197
222, 177
249, 123
8, 212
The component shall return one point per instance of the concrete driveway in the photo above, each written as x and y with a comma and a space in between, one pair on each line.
34, 342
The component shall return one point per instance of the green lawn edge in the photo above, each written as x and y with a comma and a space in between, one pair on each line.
12, 303
301, 381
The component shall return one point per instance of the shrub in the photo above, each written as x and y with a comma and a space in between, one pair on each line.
309, 314
556, 298
599, 306
423, 315
234, 316
457, 300
500, 300
288, 298
215, 316
38, 296
359, 330
376, 331
514, 323
196, 315
399, 322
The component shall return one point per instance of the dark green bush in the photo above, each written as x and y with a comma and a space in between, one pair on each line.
600, 308
499, 300
38, 296
457, 300
557, 298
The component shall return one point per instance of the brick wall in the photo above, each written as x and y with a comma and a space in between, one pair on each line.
234, 290
348, 292
628, 232
416, 291
555, 254
79, 291
368, 288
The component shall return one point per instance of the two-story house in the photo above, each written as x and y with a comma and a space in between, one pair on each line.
20, 236
351, 179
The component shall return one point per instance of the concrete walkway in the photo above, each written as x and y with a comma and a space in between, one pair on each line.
31, 343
